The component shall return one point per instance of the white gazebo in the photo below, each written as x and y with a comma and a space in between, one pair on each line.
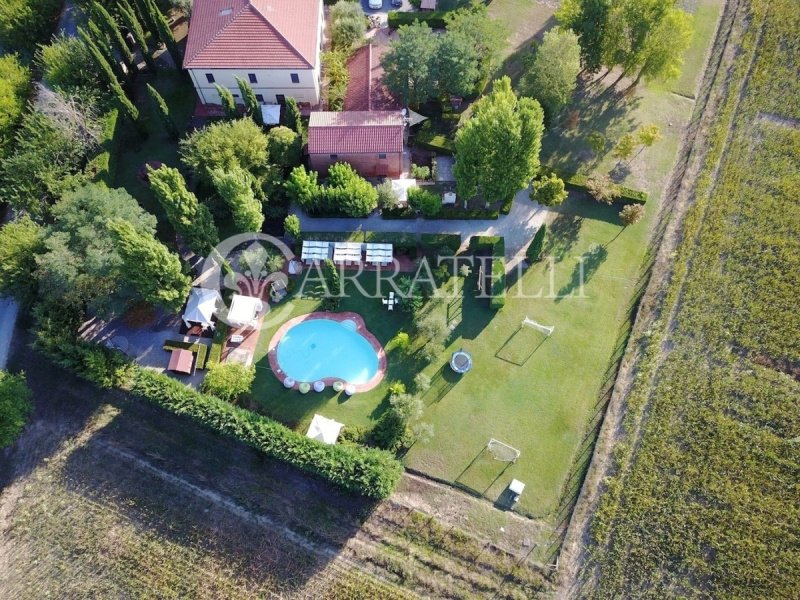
400, 187
244, 310
201, 306
271, 113
324, 430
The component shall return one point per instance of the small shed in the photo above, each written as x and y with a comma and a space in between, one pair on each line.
324, 430
201, 306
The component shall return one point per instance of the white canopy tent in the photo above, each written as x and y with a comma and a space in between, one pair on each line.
401, 186
271, 113
244, 310
379, 253
346, 252
201, 306
324, 430
315, 251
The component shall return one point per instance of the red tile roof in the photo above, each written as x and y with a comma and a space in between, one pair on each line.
255, 34
355, 132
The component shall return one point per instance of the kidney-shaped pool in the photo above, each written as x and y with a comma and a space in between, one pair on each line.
327, 347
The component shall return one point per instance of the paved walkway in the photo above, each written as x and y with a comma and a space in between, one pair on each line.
8, 318
517, 227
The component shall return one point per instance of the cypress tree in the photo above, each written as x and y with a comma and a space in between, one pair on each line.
152, 270
228, 103
190, 219
163, 112
145, 17
235, 187
135, 27
251, 104
163, 31
111, 27
292, 117
104, 46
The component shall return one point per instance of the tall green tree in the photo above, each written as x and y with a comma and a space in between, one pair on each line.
457, 66
487, 35
554, 72
409, 64
190, 219
588, 19
108, 24
15, 87
497, 149
348, 24
285, 148
251, 104
236, 188
163, 112
291, 116
163, 30
228, 102
20, 242
149, 267
131, 20
106, 48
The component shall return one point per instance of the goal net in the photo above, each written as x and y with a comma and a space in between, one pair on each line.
502, 451
526, 322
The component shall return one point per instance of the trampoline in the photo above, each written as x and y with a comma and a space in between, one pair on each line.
461, 361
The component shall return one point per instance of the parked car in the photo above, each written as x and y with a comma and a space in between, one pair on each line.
375, 4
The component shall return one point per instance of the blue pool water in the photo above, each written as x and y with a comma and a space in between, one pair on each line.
320, 348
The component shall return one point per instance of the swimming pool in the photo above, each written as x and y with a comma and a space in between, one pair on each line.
320, 348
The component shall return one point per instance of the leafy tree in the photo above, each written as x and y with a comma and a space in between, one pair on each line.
302, 187
457, 66
80, 262
162, 110
429, 203
67, 66
355, 196
631, 214
291, 226
108, 24
236, 188
291, 116
597, 142
649, 134
239, 143
348, 25
149, 267
602, 189
15, 87
335, 65
128, 15
25, 23
190, 219
588, 19
486, 35
549, 190
229, 381
387, 197
422, 383
20, 242
497, 149
625, 147
15, 406
409, 64
46, 156
228, 102
251, 104
534, 252
391, 432
554, 73
285, 147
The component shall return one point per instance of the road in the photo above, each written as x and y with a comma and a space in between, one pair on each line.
8, 317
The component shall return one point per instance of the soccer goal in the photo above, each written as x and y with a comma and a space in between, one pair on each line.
502, 451
526, 322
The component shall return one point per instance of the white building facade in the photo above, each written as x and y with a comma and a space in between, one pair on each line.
275, 45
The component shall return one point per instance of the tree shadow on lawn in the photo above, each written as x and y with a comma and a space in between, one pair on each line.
442, 382
474, 312
515, 63
584, 270
562, 236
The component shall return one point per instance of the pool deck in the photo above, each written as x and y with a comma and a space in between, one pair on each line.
361, 328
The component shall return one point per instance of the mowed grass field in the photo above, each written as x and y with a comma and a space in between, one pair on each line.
705, 501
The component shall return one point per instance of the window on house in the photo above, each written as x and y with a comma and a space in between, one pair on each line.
381, 155
334, 156
260, 97
210, 77
295, 78
252, 77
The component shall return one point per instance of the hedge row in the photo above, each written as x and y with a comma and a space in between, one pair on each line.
103, 167
576, 181
217, 344
447, 213
497, 245
433, 242
367, 471
436, 142
434, 18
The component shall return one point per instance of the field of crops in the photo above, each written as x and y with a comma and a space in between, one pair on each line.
705, 502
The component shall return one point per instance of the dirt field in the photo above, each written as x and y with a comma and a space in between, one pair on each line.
106, 496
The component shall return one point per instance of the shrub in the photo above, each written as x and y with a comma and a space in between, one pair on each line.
581, 182
348, 25
428, 203
25, 23
400, 341
602, 189
369, 472
229, 381
396, 388
291, 226
435, 19
285, 148
346, 192
335, 63
534, 252
498, 299
597, 142
422, 383
436, 242
15, 86
387, 197
549, 190
67, 66
420, 171
15, 406
631, 214
217, 344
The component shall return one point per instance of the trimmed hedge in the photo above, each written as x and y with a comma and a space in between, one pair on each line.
436, 142
366, 471
103, 167
432, 242
217, 344
434, 18
575, 181
497, 245
200, 349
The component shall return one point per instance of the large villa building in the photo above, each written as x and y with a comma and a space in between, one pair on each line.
275, 45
